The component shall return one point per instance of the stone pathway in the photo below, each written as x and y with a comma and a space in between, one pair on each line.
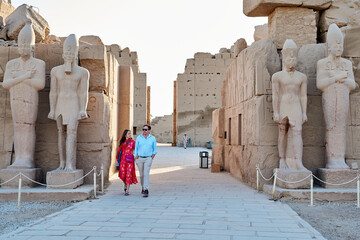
185, 202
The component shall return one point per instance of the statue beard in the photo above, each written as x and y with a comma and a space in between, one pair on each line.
68, 66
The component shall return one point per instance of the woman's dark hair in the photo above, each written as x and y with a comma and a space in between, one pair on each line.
123, 138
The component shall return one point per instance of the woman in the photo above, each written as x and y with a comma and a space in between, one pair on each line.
127, 161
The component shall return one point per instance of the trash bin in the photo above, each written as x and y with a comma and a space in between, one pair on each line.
204, 159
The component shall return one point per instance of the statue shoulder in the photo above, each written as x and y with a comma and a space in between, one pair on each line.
302, 75
276, 76
55, 69
322, 62
12, 62
39, 61
84, 71
348, 62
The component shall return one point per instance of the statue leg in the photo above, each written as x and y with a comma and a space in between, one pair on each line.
24, 142
71, 145
283, 130
61, 142
295, 162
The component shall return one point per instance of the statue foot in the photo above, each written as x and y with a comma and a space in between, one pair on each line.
61, 167
295, 164
69, 169
337, 164
282, 164
22, 163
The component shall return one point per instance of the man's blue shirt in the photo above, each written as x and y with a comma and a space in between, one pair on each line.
145, 147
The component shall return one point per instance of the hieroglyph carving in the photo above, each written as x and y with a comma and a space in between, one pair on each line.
68, 101
289, 89
335, 78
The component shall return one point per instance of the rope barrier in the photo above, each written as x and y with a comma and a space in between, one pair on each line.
293, 181
335, 184
10, 179
266, 179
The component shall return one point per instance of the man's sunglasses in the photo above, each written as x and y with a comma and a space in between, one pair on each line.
144, 129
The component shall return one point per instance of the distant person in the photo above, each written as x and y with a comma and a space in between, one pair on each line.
185, 139
127, 167
145, 151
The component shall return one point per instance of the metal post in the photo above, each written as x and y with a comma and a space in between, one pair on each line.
102, 178
19, 191
95, 182
311, 191
358, 192
273, 191
257, 179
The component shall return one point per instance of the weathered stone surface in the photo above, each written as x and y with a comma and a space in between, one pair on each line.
288, 179
161, 128
298, 24
262, 8
215, 168
51, 39
339, 13
32, 173
239, 45
6, 9
90, 40
51, 54
337, 176
307, 58
126, 98
16, 20
261, 32
56, 178
352, 43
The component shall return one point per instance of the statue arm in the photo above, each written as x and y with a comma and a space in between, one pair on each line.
52, 94
325, 78
11, 80
303, 98
38, 80
275, 97
83, 93
350, 80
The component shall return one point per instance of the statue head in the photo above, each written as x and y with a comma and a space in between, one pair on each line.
26, 40
70, 52
289, 54
335, 40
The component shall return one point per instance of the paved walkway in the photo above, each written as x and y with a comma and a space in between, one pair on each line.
185, 202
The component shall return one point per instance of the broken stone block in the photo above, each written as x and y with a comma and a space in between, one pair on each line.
32, 173
261, 32
6, 9
298, 24
51, 39
16, 20
58, 177
239, 45
263, 8
291, 176
90, 40
352, 43
337, 176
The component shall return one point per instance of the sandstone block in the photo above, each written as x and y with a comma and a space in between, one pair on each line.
261, 32
202, 55
94, 59
215, 168
4, 58
352, 43
90, 40
51, 54
337, 176
56, 177
126, 98
298, 24
307, 59
6, 8
291, 177
7, 174
262, 8
16, 20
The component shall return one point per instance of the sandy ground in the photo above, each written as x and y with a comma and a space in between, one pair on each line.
333, 220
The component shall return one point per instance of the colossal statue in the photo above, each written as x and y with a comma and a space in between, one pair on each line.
68, 101
335, 78
24, 77
289, 89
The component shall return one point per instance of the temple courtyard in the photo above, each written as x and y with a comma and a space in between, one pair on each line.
185, 202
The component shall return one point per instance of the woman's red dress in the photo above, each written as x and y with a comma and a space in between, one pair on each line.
127, 169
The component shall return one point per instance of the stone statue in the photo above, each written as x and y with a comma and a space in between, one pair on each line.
289, 98
24, 77
335, 78
68, 101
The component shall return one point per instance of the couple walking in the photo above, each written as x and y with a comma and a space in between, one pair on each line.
141, 152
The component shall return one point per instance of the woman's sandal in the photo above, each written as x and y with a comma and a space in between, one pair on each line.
126, 193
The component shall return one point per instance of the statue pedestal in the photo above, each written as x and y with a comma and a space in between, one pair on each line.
58, 177
337, 176
293, 176
32, 173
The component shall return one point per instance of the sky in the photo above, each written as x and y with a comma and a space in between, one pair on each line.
164, 33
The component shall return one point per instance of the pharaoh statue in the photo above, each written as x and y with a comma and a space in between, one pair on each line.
289, 89
335, 78
24, 77
68, 101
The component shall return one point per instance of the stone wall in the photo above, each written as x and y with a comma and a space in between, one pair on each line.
161, 128
198, 92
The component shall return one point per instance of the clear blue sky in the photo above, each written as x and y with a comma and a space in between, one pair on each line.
163, 32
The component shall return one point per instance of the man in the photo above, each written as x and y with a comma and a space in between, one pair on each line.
145, 151
68, 100
289, 104
24, 77
335, 78
185, 139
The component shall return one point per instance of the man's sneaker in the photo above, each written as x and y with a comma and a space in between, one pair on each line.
142, 191
146, 193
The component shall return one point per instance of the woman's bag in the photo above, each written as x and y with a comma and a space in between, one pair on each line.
129, 158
